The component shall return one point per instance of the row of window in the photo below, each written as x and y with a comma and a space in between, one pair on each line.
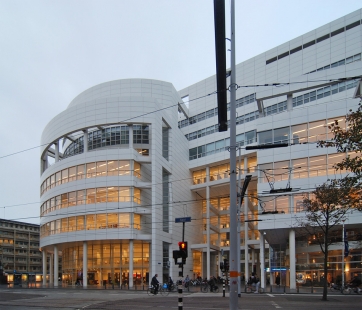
279, 107
302, 133
221, 145
91, 170
324, 92
220, 172
12, 225
307, 167
91, 196
110, 136
342, 62
91, 222
215, 128
308, 44
213, 112
311, 96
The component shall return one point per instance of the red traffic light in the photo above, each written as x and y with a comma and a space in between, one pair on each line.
182, 245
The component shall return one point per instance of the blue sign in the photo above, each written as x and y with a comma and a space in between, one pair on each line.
182, 219
14, 271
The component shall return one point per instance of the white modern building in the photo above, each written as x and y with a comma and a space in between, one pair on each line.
127, 157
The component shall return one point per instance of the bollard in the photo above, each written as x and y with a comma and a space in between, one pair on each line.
311, 289
223, 285
284, 289
105, 285
271, 288
180, 302
112, 286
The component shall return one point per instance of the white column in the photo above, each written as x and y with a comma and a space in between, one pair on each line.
44, 162
252, 259
130, 278
44, 267
85, 141
208, 261
130, 136
292, 259
289, 102
85, 264
56, 266
56, 146
246, 236
51, 269
262, 260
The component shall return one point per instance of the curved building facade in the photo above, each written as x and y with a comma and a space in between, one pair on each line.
105, 199
128, 157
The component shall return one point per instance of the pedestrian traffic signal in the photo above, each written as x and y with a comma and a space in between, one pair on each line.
176, 256
222, 266
183, 248
226, 265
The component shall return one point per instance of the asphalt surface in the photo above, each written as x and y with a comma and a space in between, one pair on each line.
73, 299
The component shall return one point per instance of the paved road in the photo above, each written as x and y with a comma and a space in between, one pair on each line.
42, 299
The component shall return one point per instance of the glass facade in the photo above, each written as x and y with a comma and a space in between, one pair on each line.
91, 170
91, 196
108, 263
110, 136
91, 222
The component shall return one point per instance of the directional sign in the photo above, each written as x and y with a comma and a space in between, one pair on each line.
182, 219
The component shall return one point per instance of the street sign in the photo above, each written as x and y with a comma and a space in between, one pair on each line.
182, 219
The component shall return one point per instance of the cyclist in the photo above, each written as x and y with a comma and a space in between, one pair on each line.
212, 283
155, 283
169, 284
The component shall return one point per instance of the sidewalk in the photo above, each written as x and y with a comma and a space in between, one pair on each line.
269, 289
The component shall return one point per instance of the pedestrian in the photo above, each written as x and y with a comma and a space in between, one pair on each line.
155, 283
277, 279
254, 281
187, 281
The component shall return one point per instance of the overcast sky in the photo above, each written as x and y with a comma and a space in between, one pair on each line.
50, 51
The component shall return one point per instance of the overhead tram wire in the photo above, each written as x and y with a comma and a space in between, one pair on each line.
213, 93
175, 203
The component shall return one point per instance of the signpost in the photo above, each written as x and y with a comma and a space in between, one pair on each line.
182, 252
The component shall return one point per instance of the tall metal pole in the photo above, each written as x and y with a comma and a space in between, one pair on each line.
233, 300
342, 255
239, 213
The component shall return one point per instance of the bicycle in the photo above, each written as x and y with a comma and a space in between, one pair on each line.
349, 289
206, 287
251, 288
152, 292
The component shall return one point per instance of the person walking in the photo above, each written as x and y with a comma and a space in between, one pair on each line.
187, 282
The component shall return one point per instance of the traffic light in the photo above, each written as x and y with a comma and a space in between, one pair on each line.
222, 266
176, 255
183, 250
226, 265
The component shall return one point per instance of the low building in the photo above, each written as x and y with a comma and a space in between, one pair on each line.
20, 251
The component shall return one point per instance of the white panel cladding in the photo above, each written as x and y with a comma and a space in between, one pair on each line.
150, 101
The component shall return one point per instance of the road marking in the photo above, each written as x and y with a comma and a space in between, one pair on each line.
270, 295
275, 305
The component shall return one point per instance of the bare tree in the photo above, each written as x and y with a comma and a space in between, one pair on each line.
335, 198
326, 210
